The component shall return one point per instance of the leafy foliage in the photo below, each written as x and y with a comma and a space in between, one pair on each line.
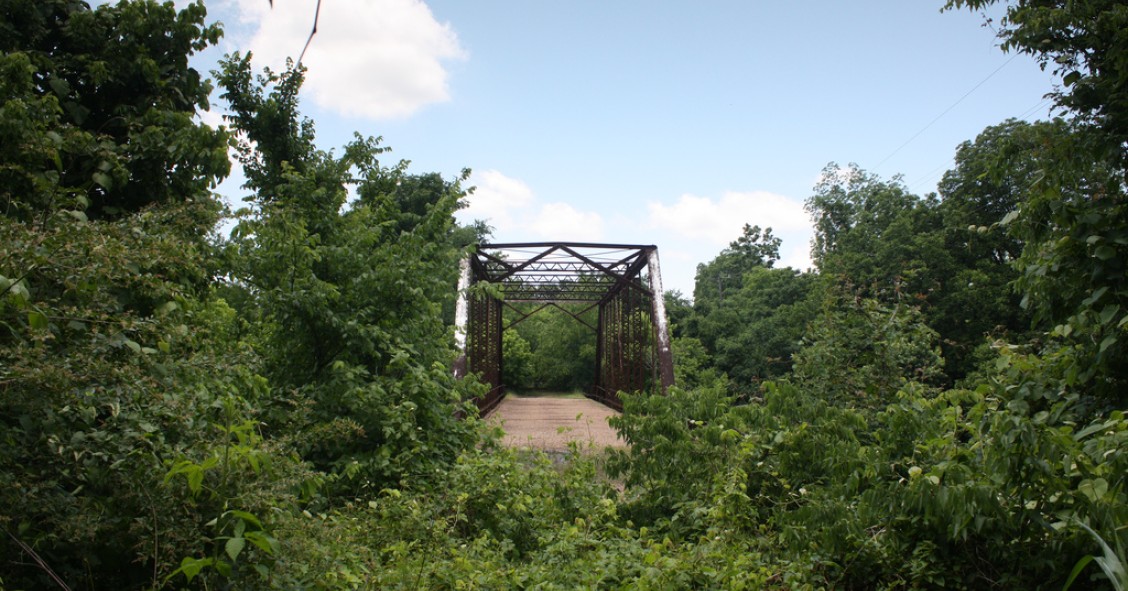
754, 248
756, 331
276, 410
561, 349
860, 353
1084, 44
517, 371
100, 103
347, 304
1072, 217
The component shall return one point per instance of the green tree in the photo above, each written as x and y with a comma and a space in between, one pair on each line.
748, 316
678, 311
1073, 217
992, 177
725, 273
111, 100
346, 302
563, 347
859, 353
754, 332
1074, 222
117, 365
517, 365
876, 236
1086, 45
945, 257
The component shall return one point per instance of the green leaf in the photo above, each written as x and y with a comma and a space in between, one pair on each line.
1104, 252
59, 85
195, 478
234, 546
37, 320
103, 180
191, 567
1093, 297
1077, 568
1108, 341
1094, 488
1109, 313
264, 542
19, 292
248, 517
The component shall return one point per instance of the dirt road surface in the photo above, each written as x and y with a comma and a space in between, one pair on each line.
550, 423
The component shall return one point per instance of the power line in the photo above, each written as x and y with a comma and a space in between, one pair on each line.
946, 111
1034, 109
929, 176
935, 172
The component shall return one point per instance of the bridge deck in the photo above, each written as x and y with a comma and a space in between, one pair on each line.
550, 423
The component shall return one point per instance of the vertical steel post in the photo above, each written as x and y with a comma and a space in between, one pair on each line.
661, 326
498, 340
462, 317
599, 349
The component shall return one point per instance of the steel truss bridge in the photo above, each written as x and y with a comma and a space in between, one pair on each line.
622, 281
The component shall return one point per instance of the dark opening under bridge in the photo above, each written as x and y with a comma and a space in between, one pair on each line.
622, 281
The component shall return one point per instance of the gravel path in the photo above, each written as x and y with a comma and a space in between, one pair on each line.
549, 423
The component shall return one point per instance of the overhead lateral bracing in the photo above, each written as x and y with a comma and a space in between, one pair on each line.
623, 281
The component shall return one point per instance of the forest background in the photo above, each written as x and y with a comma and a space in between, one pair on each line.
939, 405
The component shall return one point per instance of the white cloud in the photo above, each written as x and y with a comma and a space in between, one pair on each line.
798, 256
212, 118
511, 208
370, 58
695, 229
496, 199
720, 222
560, 221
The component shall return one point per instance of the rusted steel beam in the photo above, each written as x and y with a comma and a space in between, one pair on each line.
577, 317
632, 343
510, 245
514, 269
636, 267
522, 315
608, 269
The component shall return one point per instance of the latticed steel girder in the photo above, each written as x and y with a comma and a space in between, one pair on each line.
623, 280
559, 271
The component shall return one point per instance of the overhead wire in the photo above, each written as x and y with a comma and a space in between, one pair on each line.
1045, 101
936, 172
945, 112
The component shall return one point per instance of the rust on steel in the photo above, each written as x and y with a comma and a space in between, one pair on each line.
624, 281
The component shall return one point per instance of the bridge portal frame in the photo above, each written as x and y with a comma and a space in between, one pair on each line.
623, 280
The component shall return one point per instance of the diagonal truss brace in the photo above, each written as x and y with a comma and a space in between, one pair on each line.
610, 277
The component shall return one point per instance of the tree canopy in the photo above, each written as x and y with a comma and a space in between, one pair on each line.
939, 404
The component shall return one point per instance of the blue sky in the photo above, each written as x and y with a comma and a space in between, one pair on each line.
670, 123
